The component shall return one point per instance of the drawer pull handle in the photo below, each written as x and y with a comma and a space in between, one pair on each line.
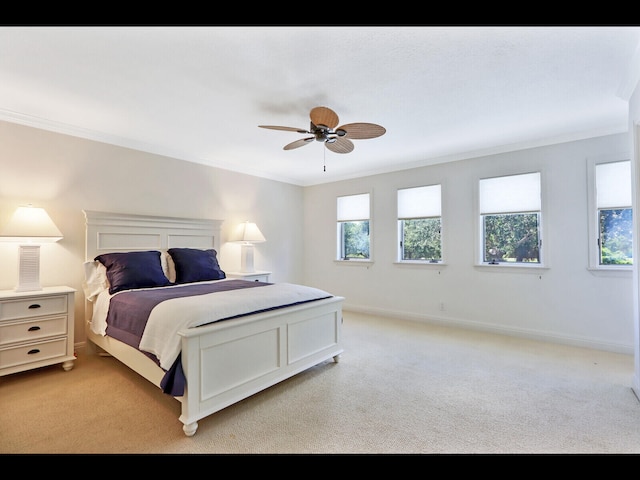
34, 305
34, 328
31, 352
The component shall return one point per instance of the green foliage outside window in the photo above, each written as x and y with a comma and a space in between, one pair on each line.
512, 237
616, 238
421, 239
355, 240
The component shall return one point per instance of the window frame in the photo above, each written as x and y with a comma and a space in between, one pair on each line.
339, 231
594, 264
400, 227
533, 267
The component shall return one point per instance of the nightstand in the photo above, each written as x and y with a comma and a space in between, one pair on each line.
257, 276
36, 329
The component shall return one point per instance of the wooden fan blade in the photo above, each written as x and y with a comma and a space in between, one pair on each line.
358, 131
324, 116
288, 129
341, 145
298, 143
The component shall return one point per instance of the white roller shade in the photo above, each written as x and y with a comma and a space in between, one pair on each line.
613, 184
419, 202
510, 194
353, 207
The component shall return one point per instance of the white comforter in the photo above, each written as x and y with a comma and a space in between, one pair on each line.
161, 337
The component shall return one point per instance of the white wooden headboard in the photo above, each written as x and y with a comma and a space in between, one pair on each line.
112, 232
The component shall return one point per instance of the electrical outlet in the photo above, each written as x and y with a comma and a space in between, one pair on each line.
442, 306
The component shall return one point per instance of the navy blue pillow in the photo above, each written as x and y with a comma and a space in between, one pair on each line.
195, 265
127, 270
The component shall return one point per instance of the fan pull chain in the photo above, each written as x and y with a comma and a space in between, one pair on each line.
324, 152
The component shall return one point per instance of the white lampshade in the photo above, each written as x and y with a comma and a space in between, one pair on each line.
247, 234
30, 226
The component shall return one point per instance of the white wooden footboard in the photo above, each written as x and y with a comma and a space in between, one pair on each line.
231, 360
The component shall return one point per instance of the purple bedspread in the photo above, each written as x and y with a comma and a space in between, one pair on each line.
129, 312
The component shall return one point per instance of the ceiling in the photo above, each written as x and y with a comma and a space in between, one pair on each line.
199, 93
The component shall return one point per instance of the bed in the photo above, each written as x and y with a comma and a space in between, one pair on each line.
247, 345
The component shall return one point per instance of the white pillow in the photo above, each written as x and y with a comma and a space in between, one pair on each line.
95, 279
169, 267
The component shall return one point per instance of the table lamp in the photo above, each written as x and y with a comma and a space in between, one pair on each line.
247, 234
30, 227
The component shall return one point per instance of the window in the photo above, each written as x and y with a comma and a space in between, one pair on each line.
419, 224
611, 224
510, 218
353, 227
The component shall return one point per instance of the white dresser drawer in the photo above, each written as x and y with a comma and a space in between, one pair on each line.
32, 307
33, 329
20, 355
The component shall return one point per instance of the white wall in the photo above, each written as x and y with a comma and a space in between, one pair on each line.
566, 303
66, 174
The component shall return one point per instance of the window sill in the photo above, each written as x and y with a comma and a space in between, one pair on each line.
361, 263
534, 269
611, 271
419, 264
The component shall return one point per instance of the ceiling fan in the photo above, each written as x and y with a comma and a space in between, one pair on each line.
323, 128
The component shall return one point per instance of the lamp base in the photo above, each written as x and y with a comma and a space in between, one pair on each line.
29, 269
246, 258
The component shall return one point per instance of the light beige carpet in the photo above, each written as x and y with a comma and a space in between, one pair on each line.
400, 387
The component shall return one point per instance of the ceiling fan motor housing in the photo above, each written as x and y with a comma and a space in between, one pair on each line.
324, 134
